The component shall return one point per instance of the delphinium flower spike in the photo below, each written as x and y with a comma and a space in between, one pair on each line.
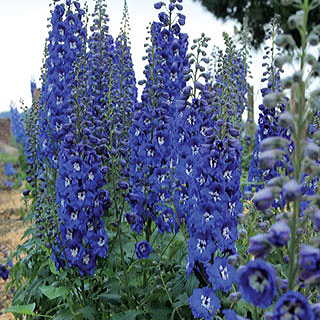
291, 232
150, 139
208, 168
268, 124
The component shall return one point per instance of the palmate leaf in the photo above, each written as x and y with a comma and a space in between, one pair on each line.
26, 309
53, 292
88, 312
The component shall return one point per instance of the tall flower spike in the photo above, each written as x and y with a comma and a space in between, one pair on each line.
268, 125
152, 156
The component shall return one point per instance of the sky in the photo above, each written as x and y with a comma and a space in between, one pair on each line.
23, 30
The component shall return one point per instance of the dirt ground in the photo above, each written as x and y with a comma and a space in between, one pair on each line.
11, 231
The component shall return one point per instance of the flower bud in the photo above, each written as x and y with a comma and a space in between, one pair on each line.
234, 296
286, 120
279, 234
312, 151
309, 258
273, 98
316, 220
292, 190
297, 76
287, 82
296, 20
313, 39
263, 199
280, 61
26, 192
259, 245
310, 59
285, 41
268, 159
273, 143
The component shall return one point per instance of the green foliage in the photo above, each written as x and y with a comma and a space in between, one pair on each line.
259, 14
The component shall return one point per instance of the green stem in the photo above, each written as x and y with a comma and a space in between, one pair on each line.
298, 108
168, 294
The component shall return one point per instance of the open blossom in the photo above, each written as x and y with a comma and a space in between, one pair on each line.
143, 249
4, 272
257, 282
293, 305
204, 303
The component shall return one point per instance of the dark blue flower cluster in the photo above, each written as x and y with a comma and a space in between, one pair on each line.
124, 100
4, 272
17, 127
65, 44
82, 203
98, 106
262, 168
208, 195
152, 157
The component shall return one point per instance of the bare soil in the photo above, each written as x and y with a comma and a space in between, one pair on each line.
11, 230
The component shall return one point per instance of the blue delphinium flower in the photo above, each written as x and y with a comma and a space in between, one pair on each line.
204, 303
143, 249
17, 127
4, 272
279, 234
151, 150
98, 102
231, 315
208, 174
257, 283
80, 197
124, 99
309, 262
9, 170
221, 274
292, 305
268, 123
65, 44
82, 203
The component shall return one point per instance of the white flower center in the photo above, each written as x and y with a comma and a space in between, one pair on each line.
205, 302
201, 246
76, 166
161, 140
224, 273
228, 175
191, 119
81, 195
226, 233
67, 182
86, 259
101, 242
74, 252
91, 176
69, 235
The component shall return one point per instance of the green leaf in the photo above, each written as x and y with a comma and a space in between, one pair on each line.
53, 293
26, 309
127, 315
64, 315
160, 314
182, 300
53, 267
88, 312
111, 298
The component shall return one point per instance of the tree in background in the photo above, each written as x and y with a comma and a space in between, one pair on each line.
259, 13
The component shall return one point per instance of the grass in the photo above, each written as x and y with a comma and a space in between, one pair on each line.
4, 158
